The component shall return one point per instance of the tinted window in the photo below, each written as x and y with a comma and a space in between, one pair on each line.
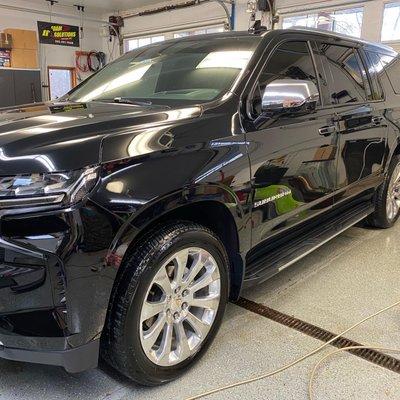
291, 60
323, 75
347, 73
374, 68
172, 72
392, 67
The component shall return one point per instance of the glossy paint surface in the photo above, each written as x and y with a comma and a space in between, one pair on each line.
58, 267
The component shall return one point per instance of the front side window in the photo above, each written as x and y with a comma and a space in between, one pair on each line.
347, 21
288, 75
173, 73
391, 22
348, 76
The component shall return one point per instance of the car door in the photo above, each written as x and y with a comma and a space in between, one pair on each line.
359, 117
292, 142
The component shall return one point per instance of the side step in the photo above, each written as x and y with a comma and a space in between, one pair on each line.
300, 243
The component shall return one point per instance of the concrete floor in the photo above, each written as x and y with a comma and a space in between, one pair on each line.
347, 279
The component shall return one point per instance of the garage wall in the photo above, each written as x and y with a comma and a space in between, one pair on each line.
50, 55
202, 15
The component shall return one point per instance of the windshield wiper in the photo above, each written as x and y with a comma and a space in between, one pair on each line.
125, 100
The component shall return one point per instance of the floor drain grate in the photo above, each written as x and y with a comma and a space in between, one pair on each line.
376, 357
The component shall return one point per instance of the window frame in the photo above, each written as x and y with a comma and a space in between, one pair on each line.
247, 94
251, 93
366, 61
138, 38
359, 48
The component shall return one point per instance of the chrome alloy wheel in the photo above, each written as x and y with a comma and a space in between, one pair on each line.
393, 196
180, 306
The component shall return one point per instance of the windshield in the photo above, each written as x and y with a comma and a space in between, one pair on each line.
174, 72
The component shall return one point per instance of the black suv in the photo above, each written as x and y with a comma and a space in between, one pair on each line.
136, 206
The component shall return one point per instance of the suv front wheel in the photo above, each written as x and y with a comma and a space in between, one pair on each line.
168, 305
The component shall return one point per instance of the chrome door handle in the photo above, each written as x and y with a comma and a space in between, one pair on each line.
327, 130
377, 120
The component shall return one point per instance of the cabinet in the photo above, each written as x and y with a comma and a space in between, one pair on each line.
19, 86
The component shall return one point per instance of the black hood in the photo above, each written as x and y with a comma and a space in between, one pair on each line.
49, 137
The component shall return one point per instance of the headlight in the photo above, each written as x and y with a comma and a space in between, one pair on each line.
46, 189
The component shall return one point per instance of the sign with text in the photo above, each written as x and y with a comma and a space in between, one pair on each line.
59, 34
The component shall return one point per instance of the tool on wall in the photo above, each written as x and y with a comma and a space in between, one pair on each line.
189, 3
267, 10
81, 10
114, 29
92, 61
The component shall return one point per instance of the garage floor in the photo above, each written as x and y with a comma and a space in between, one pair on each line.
347, 279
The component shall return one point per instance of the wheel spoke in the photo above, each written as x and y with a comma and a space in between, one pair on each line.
153, 333
395, 207
206, 280
198, 325
150, 309
183, 344
210, 302
163, 281
181, 260
165, 347
198, 263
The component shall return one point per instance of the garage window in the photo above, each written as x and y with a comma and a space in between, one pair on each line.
198, 32
132, 44
348, 21
391, 22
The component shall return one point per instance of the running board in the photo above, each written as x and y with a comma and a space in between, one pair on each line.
279, 258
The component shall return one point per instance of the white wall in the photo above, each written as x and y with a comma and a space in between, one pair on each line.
201, 15
51, 55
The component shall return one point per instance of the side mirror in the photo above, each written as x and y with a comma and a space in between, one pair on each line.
289, 95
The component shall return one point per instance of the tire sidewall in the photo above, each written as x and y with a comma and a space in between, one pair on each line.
192, 238
394, 162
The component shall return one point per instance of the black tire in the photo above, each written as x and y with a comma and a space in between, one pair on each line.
121, 344
379, 218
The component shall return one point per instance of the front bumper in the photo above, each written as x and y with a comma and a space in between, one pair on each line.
55, 285
73, 360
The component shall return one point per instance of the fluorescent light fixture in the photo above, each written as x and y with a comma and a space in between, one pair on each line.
226, 59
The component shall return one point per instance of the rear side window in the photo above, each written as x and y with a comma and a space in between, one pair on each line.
349, 83
374, 69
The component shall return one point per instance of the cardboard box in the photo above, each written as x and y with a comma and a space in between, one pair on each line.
22, 39
5, 41
24, 58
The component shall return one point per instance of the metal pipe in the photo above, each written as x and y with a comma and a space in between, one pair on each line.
222, 3
172, 28
53, 14
224, 6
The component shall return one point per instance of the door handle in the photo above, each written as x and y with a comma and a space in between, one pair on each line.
377, 120
327, 130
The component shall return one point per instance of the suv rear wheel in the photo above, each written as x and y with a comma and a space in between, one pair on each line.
168, 305
387, 202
